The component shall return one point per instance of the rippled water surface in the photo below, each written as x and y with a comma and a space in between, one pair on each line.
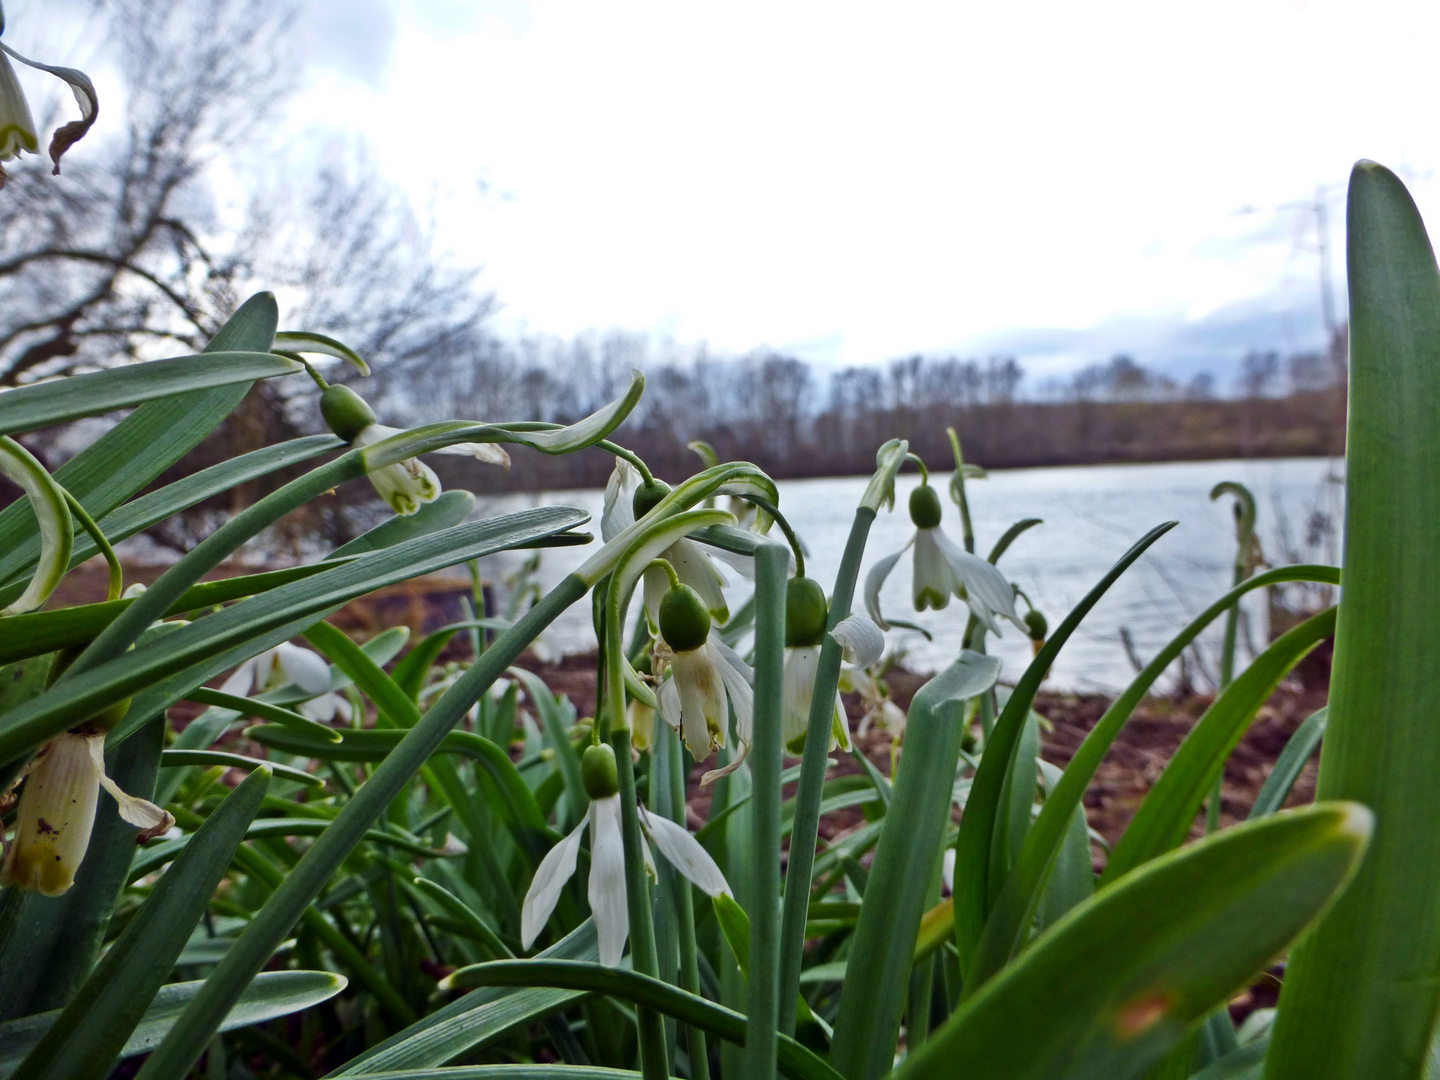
1092, 514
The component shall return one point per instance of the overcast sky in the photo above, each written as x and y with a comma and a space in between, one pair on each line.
855, 182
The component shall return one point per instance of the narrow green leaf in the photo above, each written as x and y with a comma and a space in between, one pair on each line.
147, 442
1112, 987
794, 1060
906, 859
73, 699
1012, 913
208, 758
557, 737
174, 1057
472, 1022
1363, 991
263, 710
58, 400
272, 994
57, 529
447, 511
1164, 818
1289, 764
92, 1030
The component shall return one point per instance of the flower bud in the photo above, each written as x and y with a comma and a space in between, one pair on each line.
805, 612
1035, 625
647, 496
345, 411
925, 507
598, 773
684, 620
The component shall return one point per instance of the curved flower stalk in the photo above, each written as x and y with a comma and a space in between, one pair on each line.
624, 496
17, 127
943, 569
287, 663
57, 529
406, 484
57, 812
608, 902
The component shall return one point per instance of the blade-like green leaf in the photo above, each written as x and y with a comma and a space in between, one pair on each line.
1012, 913
71, 700
209, 758
1289, 764
1164, 818
450, 509
1118, 982
977, 828
794, 1060
472, 1022
92, 1030
57, 400
558, 739
149, 440
141, 513
906, 860
272, 994
1363, 991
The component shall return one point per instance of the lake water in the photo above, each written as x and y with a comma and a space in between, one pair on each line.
1092, 514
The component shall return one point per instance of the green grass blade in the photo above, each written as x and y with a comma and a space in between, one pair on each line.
557, 737
794, 1060
472, 1022
1112, 987
450, 509
174, 1057
878, 976
1363, 991
809, 792
73, 699
977, 828
92, 1030
152, 438
1289, 764
272, 994
207, 758
58, 400
1164, 818
141, 513
1012, 912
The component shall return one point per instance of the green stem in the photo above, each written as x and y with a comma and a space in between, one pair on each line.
117, 576
685, 907
771, 563
790, 537
654, 1059
959, 489
188, 1038
812, 776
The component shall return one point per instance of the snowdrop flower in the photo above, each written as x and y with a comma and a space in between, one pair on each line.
626, 499
877, 704
287, 663
57, 812
706, 678
942, 569
805, 615
17, 126
406, 485
607, 861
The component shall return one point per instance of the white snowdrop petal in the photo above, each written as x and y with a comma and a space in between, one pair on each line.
875, 580
556, 868
619, 512
490, 453
607, 880
982, 580
306, 669
862, 640
735, 677
934, 579
685, 853
241, 680
797, 692
669, 698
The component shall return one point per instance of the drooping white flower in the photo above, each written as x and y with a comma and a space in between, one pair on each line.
702, 686
17, 126
57, 812
862, 643
606, 889
943, 569
409, 484
693, 564
287, 663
